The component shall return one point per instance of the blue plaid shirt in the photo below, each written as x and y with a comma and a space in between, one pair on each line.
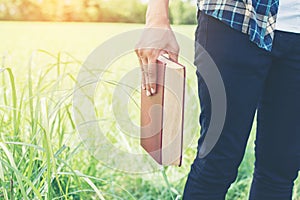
253, 17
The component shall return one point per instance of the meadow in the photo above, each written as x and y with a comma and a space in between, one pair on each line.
41, 153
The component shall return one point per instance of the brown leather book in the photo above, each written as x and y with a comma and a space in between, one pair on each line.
162, 114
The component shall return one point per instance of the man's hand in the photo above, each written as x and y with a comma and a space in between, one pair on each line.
157, 38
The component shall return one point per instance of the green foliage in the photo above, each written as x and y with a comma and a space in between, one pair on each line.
84, 10
182, 12
90, 10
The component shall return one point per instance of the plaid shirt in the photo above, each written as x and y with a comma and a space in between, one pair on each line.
253, 17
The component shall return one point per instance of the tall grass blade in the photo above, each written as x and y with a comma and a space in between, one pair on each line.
3, 80
5, 195
163, 171
23, 178
14, 100
14, 167
94, 188
1, 173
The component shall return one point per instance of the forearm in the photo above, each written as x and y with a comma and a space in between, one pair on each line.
157, 14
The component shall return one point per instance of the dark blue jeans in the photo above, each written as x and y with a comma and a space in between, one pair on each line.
254, 80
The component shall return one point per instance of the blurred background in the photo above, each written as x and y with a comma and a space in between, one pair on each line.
132, 11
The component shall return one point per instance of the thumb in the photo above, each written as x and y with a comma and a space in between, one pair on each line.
173, 56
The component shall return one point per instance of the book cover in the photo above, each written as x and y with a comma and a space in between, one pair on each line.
162, 114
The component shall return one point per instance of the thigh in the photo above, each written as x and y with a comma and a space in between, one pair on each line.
278, 131
243, 68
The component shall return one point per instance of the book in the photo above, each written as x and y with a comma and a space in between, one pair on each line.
162, 114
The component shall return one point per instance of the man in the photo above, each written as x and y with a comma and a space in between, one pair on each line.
256, 47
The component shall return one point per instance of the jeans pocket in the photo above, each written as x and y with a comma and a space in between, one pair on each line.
201, 30
200, 36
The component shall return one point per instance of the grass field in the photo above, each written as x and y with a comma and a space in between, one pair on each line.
41, 154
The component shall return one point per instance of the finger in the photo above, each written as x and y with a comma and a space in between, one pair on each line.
173, 56
143, 82
152, 70
163, 52
136, 50
146, 77
143, 75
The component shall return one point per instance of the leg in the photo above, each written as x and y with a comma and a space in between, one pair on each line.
278, 131
243, 68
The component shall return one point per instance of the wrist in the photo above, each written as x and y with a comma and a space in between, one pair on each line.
157, 21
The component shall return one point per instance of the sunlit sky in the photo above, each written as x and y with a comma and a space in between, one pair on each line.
145, 1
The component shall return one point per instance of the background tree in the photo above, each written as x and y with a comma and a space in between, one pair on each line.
133, 11
182, 12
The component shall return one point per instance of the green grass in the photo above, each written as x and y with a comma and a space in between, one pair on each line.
41, 154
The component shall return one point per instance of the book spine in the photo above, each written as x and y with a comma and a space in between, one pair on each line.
182, 125
162, 82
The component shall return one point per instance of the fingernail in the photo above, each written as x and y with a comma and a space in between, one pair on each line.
144, 87
152, 90
148, 93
